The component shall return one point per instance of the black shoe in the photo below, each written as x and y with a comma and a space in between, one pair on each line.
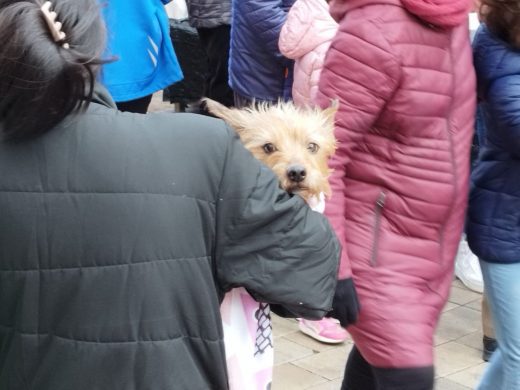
488, 347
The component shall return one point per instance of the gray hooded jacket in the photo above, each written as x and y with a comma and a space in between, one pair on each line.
209, 13
118, 235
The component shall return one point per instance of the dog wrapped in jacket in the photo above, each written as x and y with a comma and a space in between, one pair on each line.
296, 144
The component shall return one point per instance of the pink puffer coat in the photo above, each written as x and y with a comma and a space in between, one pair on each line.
306, 37
402, 70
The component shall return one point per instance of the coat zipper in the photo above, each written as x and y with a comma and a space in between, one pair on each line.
380, 204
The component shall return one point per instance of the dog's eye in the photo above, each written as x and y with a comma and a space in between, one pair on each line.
313, 148
269, 148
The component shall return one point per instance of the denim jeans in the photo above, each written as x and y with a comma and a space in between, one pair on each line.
502, 285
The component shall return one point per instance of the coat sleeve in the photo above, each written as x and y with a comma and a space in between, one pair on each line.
503, 105
270, 242
265, 18
362, 73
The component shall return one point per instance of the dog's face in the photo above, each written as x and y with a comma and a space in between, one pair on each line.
295, 143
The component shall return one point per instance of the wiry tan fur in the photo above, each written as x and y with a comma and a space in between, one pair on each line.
290, 129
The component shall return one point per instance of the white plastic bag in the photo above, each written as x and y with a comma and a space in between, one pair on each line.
177, 9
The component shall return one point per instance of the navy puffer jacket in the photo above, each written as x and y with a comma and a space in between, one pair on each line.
257, 69
494, 207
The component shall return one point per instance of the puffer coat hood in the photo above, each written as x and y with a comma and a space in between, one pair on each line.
305, 38
441, 13
308, 25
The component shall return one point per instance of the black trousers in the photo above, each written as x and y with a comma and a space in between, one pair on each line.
139, 106
215, 42
360, 375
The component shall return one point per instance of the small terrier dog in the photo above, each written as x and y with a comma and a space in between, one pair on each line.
294, 142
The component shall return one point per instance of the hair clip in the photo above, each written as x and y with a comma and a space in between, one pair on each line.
54, 26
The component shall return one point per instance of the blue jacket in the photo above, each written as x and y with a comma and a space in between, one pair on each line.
257, 69
139, 36
494, 208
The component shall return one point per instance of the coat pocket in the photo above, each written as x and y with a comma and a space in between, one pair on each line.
378, 214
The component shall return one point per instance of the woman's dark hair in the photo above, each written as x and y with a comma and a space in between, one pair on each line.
41, 81
502, 17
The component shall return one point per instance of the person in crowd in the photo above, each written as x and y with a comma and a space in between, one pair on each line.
467, 265
120, 233
305, 37
144, 59
257, 70
212, 19
494, 205
402, 71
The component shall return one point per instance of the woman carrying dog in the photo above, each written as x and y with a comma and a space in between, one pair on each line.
120, 232
402, 71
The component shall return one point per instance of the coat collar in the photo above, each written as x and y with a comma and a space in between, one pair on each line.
102, 96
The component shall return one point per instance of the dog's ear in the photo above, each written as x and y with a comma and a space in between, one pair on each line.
330, 111
235, 118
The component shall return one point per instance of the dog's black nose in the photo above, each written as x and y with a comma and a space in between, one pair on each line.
296, 173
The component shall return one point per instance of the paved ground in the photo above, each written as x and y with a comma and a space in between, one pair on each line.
302, 363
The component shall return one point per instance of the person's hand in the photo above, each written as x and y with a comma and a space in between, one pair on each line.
345, 305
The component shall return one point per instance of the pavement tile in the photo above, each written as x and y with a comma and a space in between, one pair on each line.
462, 295
456, 323
446, 384
290, 377
469, 377
453, 357
449, 306
329, 364
473, 340
475, 305
286, 351
283, 326
457, 283
332, 385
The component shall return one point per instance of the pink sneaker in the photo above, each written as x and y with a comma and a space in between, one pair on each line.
327, 330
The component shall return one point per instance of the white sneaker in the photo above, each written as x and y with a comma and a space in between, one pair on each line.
467, 268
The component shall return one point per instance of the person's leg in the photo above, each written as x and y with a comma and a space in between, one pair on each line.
215, 42
139, 106
358, 373
503, 292
416, 378
241, 101
489, 343
487, 322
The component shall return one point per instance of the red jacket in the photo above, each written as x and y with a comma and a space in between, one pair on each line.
402, 71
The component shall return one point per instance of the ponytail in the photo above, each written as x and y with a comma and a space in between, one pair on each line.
43, 80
